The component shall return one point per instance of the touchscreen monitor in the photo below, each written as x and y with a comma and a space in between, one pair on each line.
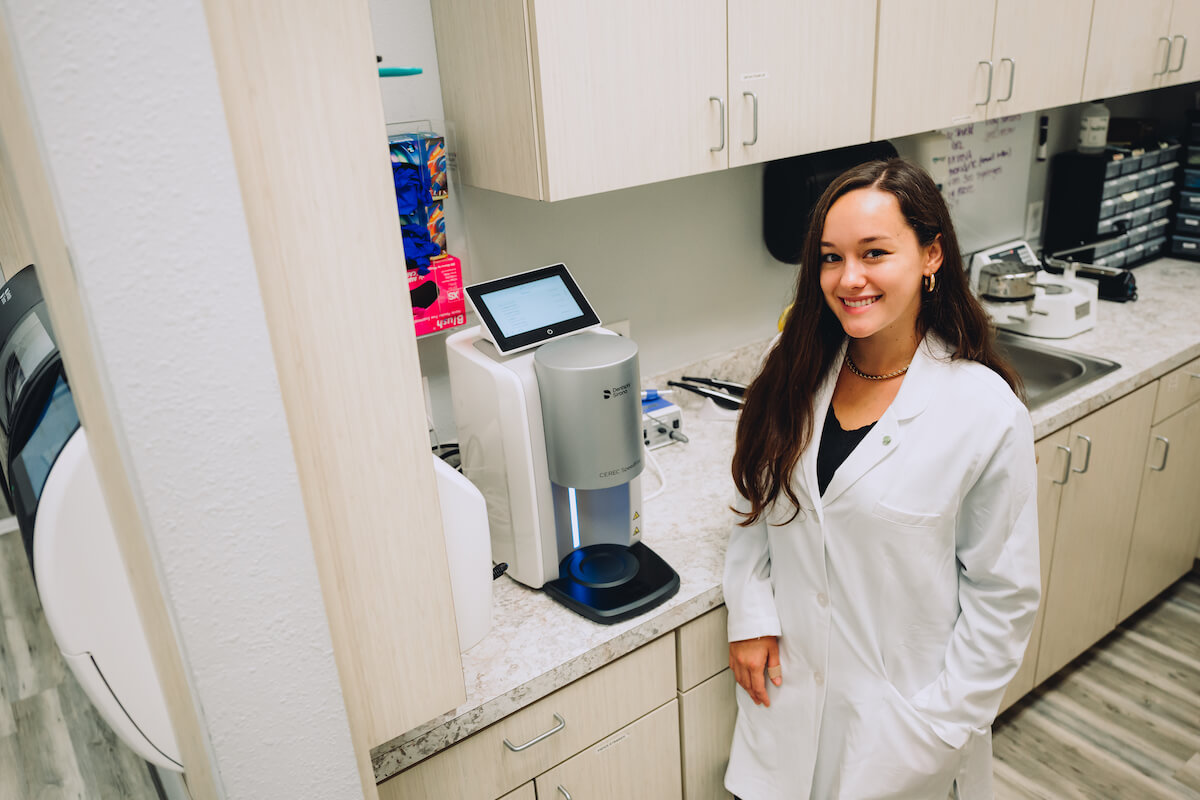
531, 308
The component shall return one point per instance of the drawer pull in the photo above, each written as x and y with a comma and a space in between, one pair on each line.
565, 793
1012, 75
991, 74
721, 146
516, 748
1166, 449
1087, 457
1167, 60
1066, 466
753, 139
1182, 51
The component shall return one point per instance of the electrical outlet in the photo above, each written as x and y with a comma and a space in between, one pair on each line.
1033, 221
620, 326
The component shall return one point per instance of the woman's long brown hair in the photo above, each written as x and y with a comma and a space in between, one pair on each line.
777, 420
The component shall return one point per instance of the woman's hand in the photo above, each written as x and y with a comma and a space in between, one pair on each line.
750, 659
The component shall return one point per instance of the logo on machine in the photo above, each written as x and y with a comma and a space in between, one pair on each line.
5, 296
617, 391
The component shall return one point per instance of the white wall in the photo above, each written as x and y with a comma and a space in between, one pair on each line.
127, 106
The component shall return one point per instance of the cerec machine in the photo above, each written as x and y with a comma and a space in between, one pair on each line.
548, 409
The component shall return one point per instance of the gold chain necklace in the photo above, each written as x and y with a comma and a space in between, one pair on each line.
885, 376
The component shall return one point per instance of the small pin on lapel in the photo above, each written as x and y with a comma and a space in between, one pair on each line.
887, 440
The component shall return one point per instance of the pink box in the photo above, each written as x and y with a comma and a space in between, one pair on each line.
438, 302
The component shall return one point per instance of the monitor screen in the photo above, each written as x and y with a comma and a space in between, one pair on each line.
526, 306
531, 308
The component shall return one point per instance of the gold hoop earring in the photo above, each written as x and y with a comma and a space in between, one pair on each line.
930, 281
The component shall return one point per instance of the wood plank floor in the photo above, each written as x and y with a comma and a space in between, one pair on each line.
1122, 721
53, 743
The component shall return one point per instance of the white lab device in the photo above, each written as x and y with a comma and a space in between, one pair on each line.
89, 607
551, 434
1022, 297
465, 523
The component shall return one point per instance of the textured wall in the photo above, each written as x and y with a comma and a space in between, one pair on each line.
128, 110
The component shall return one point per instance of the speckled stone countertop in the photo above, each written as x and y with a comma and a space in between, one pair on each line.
536, 646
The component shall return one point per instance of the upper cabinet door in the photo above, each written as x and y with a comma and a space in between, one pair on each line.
1128, 47
623, 92
1184, 33
932, 65
800, 75
1039, 51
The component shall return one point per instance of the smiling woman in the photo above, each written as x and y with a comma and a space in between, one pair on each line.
883, 577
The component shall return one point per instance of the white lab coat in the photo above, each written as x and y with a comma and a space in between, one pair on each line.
903, 598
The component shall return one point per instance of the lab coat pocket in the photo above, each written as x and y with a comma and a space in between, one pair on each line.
906, 518
758, 732
896, 754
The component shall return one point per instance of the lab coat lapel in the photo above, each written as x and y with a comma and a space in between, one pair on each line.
808, 459
888, 434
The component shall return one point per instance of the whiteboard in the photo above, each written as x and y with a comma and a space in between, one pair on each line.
988, 182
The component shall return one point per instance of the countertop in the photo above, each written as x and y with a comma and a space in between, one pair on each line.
536, 646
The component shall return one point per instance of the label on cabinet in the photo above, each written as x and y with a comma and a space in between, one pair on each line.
754, 76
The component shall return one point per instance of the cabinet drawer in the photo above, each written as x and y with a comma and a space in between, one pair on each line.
640, 762
1177, 390
526, 792
702, 648
482, 767
706, 717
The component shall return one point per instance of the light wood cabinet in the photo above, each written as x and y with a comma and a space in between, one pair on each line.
554, 100
1185, 27
1128, 48
1054, 458
702, 648
1177, 390
707, 715
931, 64
639, 762
1039, 50
495, 760
526, 792
1095, 524
1168, 514
800, 75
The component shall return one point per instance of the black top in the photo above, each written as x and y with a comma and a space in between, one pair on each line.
836, 446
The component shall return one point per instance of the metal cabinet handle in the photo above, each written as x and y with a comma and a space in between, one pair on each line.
991, 74
1087, 457
1182, 51
754, 140
1066, 467
1167, 60
565, 793
1012, 74
516, 748
721, 146
1166, 449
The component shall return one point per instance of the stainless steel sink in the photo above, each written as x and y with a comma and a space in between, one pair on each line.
1050, 372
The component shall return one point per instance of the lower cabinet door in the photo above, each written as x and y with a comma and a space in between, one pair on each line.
638, 762
1168, 513
1053, 461
706, 717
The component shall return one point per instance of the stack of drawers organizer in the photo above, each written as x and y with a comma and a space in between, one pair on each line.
1128, 197
1185, 243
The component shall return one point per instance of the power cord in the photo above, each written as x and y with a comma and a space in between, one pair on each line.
662, 476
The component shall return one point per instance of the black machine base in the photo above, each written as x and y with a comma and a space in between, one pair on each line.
608, 583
